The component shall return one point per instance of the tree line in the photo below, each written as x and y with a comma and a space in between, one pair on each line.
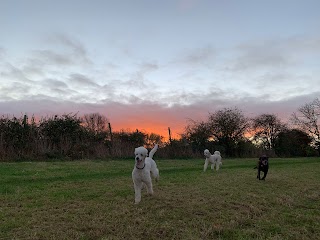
227, 130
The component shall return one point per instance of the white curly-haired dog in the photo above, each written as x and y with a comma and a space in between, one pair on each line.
141, 174
214, 159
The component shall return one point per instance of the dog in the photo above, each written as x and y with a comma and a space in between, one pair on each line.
262, 166
214, 159
144, 167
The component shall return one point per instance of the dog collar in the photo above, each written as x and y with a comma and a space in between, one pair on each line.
142, 167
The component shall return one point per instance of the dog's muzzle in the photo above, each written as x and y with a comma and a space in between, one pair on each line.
138, 160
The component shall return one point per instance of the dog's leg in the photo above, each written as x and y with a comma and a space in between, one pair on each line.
217, 165
155, 171
155, 174
205, 165
149, 187
212, 166
137, 191
265, 174
259, 173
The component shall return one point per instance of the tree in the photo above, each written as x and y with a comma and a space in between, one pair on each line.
134, 138
293, 143
152, 139
245, 148
266, 128
228, 127
17, 136
61, 133
306, 119
95, 122
97, 127
197, 134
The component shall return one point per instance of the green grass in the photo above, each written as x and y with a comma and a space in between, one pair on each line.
94, 200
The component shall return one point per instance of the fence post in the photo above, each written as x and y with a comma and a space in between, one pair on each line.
111, 139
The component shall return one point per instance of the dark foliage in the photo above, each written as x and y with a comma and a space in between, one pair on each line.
294, 142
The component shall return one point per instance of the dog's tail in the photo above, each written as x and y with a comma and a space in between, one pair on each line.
152, 152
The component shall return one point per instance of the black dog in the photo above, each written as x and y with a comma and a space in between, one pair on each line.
263, 166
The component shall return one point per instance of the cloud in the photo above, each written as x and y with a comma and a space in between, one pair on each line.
14, 83
2, 53
48, 71
148, 67
60, 51
260, 56
14, 90
82, 80
11, 73
198, 57
47, 57
137, 83
52, 83
303, 44
71, 45
274, 54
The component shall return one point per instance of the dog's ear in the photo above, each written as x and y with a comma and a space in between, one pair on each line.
145, 152
135, 151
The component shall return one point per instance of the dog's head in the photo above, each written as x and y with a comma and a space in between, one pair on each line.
140, 154
263, 160
207, 153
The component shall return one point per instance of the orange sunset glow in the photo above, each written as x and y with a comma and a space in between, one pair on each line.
160, 129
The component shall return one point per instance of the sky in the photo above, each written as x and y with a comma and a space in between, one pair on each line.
151, 64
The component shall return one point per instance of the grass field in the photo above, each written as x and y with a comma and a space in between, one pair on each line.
94, 200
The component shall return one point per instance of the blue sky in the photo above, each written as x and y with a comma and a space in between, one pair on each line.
151, 64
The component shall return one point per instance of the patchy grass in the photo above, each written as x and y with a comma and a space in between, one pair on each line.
94, 200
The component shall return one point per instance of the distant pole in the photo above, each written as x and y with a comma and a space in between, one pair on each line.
111, 138
25, 120
169, 135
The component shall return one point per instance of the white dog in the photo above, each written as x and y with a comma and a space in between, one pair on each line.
141, 176
214, 159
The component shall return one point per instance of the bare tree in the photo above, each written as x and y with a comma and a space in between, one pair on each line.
307, 120
95, 122
152, 139
228, 126
196, 133
266, 129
